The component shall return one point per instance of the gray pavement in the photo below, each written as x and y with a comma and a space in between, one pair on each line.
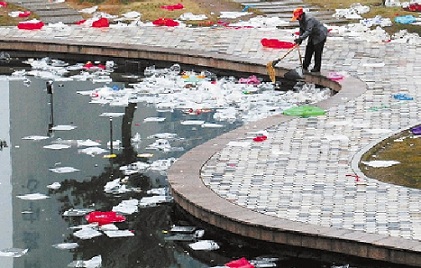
305, 171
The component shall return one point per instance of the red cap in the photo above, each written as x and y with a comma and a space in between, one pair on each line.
297, 13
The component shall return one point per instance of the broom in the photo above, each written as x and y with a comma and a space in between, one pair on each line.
270, 66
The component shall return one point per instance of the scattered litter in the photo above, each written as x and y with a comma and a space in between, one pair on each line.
127, 207
95, 262
104, 217
93, 151
233, 14
64, 170
379, 163
13, 252
402, 96
77, 212
54, 186
204, 245
63, 127
87, 233
35, 138
152, 201
33, 197
154, 119
145, 155
66, 245
119, 233
56, 146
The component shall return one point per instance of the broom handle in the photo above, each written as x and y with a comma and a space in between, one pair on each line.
289, 51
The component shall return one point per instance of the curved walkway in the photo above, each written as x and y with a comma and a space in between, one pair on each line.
297, 187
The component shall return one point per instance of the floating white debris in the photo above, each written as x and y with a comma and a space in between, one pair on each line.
33, 197
64, 170
150, 201
13, 252
211, 125
66, 245
127, 206
54, 186
112, 114
35, 138
380, 163
192, 122
92, 151
119, 233
108, 227
95, 262
74, 212
87, 143
154, 119
56, 146
204, 245
63, 127
87, 233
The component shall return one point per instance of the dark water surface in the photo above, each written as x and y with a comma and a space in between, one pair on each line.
38, 225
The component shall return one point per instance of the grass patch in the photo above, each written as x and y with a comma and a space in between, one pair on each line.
406, 151
6, 20
151, 10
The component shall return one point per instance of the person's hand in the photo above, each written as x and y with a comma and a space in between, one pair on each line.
298, 41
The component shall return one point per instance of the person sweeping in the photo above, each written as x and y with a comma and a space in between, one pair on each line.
316, 33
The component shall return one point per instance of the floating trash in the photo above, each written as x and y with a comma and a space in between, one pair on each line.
87, 233
35, 138
74, 212
204, 245
33, 197
66, 245
95, 262
119, 233
54, 186
56, 146
63, 127
13, 252
64, 170
104, 217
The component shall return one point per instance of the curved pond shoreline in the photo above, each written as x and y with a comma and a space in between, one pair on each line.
231, 50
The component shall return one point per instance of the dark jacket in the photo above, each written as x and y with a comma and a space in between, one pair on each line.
312, 28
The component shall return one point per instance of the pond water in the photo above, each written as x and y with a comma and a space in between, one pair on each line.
44, 133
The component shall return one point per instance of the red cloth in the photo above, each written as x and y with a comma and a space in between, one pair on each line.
173, 7
30, 25
165, 22
414, 7
106, 217
101, 23
3, 4
240, 263
260, 138
275, 43
24, 14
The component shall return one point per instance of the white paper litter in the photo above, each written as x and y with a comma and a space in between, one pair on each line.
233, 14
87, 233
192, 122
33, 197
13, 252
204, 245
92, 151
64, 170
66, 245
63, 127
54, 186
127, 207
56, 146
35, 138
239, 143
95, 262
119, 233
379, 163
74, 212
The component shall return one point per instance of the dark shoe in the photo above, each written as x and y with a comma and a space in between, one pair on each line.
315, 70
305, 70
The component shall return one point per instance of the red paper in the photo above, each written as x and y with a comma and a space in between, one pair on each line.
275, 43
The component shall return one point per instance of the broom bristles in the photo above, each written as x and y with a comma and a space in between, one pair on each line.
271, 71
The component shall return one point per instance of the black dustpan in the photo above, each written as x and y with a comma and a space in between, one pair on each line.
294, 74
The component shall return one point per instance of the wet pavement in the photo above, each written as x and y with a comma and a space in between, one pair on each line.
307, 170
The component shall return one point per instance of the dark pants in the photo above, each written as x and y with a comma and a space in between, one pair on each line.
317, 50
